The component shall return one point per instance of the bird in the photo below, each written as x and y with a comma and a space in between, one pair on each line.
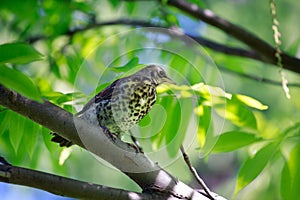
121, 105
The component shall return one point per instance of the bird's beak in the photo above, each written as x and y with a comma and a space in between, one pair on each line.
168, 80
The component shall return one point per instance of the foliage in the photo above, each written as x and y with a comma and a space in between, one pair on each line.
225, 117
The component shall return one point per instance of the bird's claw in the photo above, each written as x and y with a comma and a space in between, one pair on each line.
137, 148
109, 134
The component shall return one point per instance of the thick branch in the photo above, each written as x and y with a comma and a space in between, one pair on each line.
65, 186
254, 42
148, 175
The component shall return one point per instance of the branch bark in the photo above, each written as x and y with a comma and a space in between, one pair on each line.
148, 175
260, 50
65, 186
248, 38
141, 23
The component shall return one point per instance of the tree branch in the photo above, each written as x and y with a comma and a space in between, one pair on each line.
233, 51
141, 23
262, 52
254, 42
195, 174
148, 175
65, 186
256, 78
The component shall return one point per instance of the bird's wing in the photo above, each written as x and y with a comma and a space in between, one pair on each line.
107, 92
103, 95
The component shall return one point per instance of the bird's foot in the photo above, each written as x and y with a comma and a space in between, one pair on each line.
137, 148
109, 134
60, 140
136, 144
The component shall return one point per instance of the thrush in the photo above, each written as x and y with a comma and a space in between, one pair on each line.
124, 103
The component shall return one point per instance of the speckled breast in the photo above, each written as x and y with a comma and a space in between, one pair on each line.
129, 103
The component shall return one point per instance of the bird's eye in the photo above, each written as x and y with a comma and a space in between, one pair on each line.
161, 73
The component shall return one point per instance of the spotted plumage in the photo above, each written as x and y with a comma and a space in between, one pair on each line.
123, 103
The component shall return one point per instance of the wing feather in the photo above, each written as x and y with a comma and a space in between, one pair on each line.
103, 95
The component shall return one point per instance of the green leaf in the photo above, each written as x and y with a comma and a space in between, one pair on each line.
237, 113
233, 140
151, 124
31, 130
251, 102
183, 109
18, 82
130, 7
170, 130
114, 3
16, 130
203, 124
5, 120
290, 175
209, 91
128, 66
18, 53
51, 146
169, 127
253, 166
60, 98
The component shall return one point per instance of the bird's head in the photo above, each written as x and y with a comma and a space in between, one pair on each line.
156, 73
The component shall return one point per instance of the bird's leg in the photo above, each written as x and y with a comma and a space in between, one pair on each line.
111, 135
136, 145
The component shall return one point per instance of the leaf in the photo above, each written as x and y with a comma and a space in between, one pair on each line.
64, 155
114, 3
31, 132
251, 102
55, 68
290, 175
151, 124
16, 130
204, 122
233, 140
18, 82
5, 120
183, 109
18, 53
208, 90
52, 148
60, 98
237, 113
128, 66
253, 166
170, 130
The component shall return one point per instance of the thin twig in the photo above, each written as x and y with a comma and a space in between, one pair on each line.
256, 78
194, 172
234, 51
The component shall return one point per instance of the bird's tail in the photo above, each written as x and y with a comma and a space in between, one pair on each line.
63, 142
